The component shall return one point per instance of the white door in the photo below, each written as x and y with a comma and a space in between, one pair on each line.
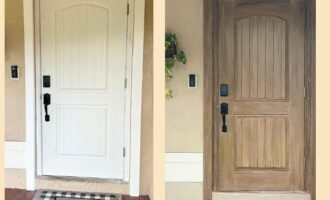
83, 50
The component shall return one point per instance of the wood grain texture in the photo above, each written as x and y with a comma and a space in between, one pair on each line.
310, 152
208, 18
211, 23
247, 2
260, 142
252, 38
260, 58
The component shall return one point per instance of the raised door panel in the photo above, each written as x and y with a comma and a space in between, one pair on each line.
261, 67
82, 37
82, 131
260, 142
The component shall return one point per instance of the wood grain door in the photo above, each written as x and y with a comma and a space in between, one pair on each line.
261, 58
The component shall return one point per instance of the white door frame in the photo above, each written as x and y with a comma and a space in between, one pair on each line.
133, 99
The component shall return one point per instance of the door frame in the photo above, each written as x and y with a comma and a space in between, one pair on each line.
210, 99
135, 37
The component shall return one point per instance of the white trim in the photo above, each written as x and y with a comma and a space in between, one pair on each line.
29, 93
184, 167
136, 103
38, 87
15, 155
132, 143
128, 94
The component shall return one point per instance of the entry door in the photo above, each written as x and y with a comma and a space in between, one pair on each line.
261, 58
83, 51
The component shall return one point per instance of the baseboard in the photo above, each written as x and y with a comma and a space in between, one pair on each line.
184, 167
180, 167
15, 155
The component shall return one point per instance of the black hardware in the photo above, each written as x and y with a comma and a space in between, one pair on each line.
224, 90
14, 72
46, 81
46, 103
224, 112
192, 81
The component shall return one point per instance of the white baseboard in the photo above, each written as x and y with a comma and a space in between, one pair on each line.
184, 167
179, 167
15, 155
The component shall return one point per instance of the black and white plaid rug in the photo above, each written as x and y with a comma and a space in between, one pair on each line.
61, 195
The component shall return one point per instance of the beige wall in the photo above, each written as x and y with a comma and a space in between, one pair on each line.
184, 114
184, 191
15, 178
14, 55
147, 103
15, 106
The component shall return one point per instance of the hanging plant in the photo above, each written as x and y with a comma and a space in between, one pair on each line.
172, 54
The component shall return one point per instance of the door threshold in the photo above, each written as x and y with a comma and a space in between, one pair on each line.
81, 179
261, 195
82, 184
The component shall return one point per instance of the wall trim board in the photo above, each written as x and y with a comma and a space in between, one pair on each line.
184, 167
32, 88
15, 155
30, 106
136, 96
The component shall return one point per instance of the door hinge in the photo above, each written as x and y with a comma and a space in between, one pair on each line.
128, 9
124, 152
125, 83
305, 91
305, 164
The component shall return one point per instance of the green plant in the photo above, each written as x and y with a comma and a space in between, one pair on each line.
171, 56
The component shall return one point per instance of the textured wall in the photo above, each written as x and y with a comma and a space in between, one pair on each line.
147, 99
184, 114
186, 191
14, 55
15, 178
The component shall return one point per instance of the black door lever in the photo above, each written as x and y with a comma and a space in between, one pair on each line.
46, 103
224, 112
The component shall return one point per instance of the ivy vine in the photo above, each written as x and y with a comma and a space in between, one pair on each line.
172, 55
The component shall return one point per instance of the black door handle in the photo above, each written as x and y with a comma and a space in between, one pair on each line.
46, 103
224, 112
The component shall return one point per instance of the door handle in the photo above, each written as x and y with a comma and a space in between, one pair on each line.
224, 112
46, 103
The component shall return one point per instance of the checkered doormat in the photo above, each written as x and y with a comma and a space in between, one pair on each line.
60, 195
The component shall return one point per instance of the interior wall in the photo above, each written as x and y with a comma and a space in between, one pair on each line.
14, 55
184, 114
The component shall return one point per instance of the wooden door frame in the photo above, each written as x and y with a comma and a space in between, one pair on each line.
210, 102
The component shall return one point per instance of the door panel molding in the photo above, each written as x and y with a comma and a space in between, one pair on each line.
210, 85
